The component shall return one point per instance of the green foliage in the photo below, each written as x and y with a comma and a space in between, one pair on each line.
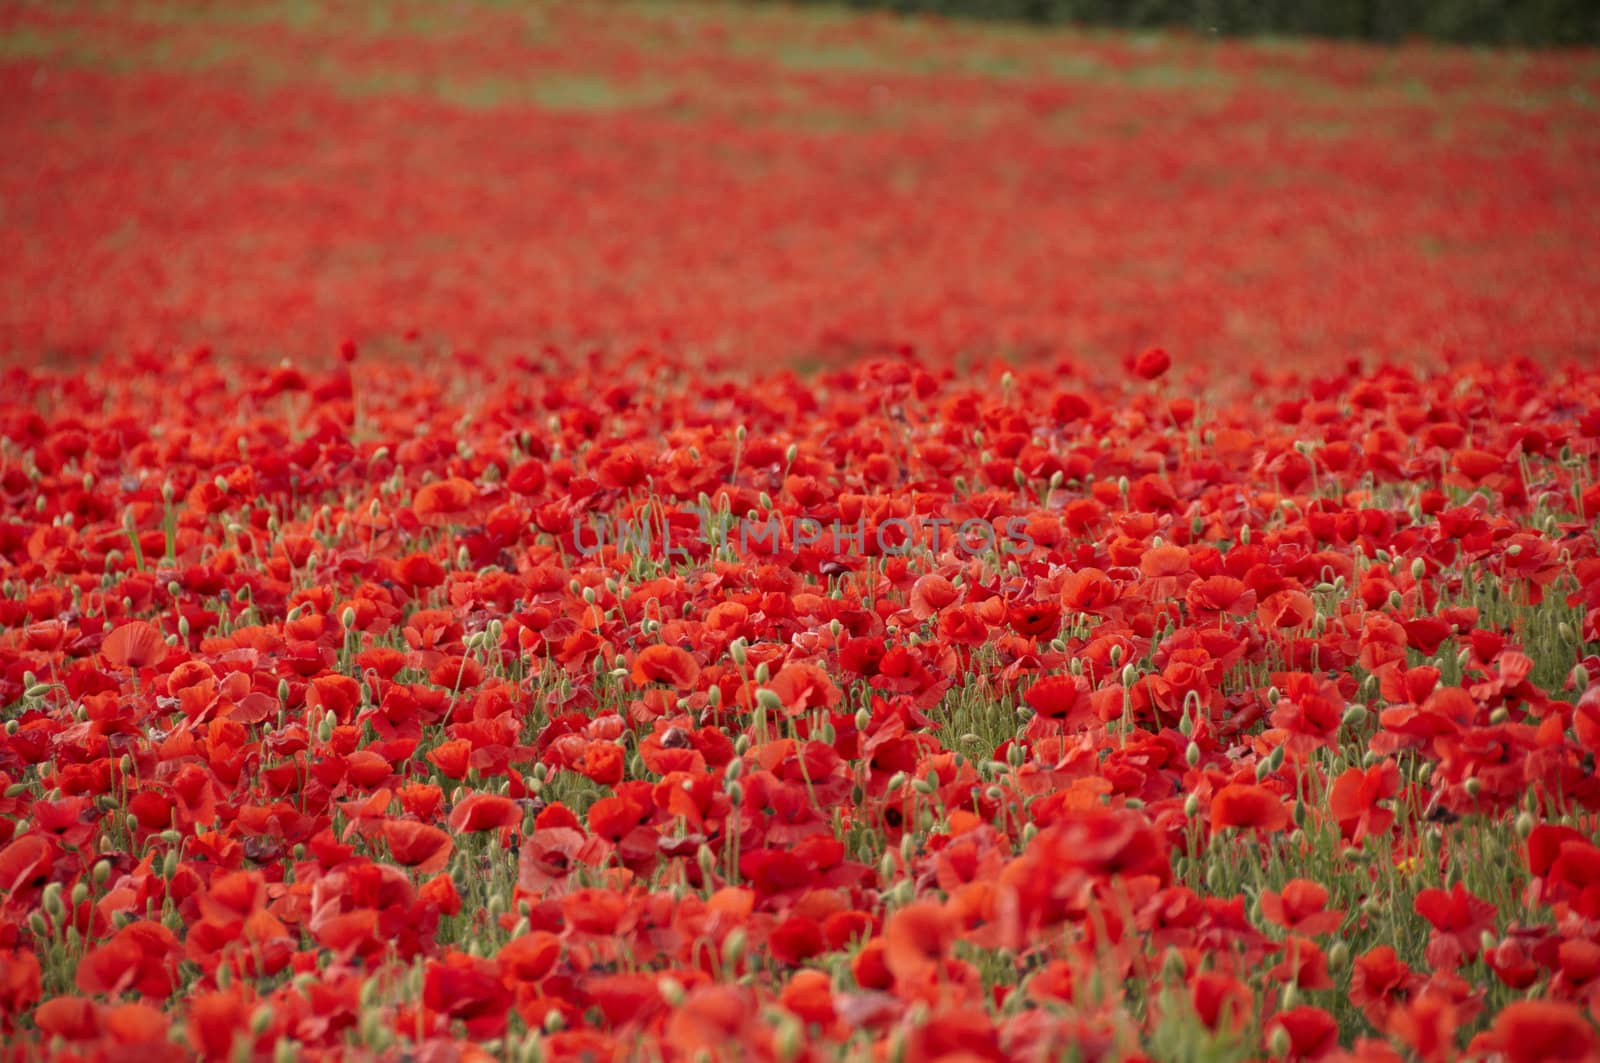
1528, 23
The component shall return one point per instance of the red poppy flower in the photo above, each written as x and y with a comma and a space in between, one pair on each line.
20, 984
1539, 1031
915, 939
484, 812
438, 502
1301, 908
417, 845
665, 664
1064, 698
1152, 363
801, 687
468, 990
1248, 808
135, 645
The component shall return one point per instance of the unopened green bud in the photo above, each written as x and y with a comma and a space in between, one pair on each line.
733, 947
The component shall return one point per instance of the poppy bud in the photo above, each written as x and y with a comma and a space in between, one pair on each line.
897, 1046
735, 794
896, 781
374, 1030
733, 947
1191, 805
1278, 1043
768, 699
1580, 678
1499, 715
1524, 824
671, 990
789, 1039
38, 690
286, 1051
1419, 568
736, 650
1192, 755
52, 901
1354, 716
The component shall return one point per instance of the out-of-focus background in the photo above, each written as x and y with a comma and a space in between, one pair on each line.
1537, 23
752, 182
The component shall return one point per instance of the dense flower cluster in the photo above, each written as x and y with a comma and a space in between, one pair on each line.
338, 732
1145, 710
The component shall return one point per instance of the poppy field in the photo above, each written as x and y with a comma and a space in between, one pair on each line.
719, 532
